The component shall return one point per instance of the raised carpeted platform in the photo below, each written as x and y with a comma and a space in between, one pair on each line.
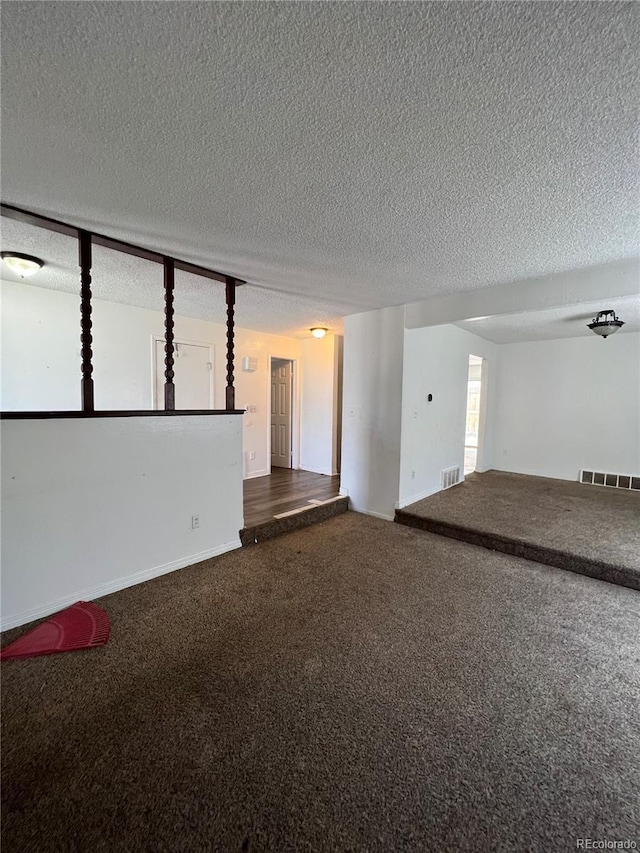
355, 686
304, 516
591, 530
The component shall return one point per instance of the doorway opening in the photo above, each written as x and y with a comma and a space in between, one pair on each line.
282, 374
472, 422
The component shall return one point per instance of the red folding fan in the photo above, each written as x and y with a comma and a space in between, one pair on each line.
81, 626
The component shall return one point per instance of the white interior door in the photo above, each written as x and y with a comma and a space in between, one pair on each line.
281, 377
193, 377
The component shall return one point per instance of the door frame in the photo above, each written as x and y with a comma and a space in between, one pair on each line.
481, 464
154, 366
295, 410
482, 413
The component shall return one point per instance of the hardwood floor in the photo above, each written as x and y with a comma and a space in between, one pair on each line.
284, 490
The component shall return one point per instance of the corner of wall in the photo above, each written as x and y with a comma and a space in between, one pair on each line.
372, 401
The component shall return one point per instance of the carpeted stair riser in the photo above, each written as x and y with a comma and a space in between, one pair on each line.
280, 526
547, 556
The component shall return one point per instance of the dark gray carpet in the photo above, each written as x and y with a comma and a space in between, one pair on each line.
356, 686
591, 530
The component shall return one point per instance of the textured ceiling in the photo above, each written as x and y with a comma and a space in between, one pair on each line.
563, 322
122, 278
356, 154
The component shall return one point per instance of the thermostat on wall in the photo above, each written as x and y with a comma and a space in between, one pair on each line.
249, 364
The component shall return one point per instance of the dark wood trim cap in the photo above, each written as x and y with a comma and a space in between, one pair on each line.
125, 413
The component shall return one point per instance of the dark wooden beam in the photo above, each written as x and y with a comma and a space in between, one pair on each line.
231, 301
128, 248
194, 269
86, 339
50, 224
39, 221
169, 387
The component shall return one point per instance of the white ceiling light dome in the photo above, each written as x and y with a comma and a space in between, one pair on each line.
21, 264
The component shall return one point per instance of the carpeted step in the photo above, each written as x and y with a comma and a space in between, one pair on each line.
562, 559
305, 516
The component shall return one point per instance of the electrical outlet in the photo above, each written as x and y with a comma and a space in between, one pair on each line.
195, 522
413, 475
252, 455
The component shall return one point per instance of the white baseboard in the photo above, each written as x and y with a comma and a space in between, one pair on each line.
254, 474
312, 470
417, 497
372, 513
114, 586
265, 473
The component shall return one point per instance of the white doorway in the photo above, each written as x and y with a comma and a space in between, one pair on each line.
282, 373
473, 415
193, 374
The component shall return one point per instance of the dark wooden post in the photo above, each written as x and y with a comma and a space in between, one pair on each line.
231, 301
169, 387
84, 246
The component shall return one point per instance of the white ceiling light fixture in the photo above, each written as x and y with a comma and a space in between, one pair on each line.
605, 323
318, 332
22, 265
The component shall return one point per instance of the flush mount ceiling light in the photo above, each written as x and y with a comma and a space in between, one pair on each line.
605, 323
318, 332
22, 265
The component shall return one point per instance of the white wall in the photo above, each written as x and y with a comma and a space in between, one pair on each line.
436, 361
549, 407
321, 404
569, 404
40, 349
371, 415
41, 364
254, 389
90, 506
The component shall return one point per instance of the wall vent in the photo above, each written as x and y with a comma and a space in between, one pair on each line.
450, 476
614, 481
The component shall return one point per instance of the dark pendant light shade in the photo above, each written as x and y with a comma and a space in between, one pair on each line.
605, 323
